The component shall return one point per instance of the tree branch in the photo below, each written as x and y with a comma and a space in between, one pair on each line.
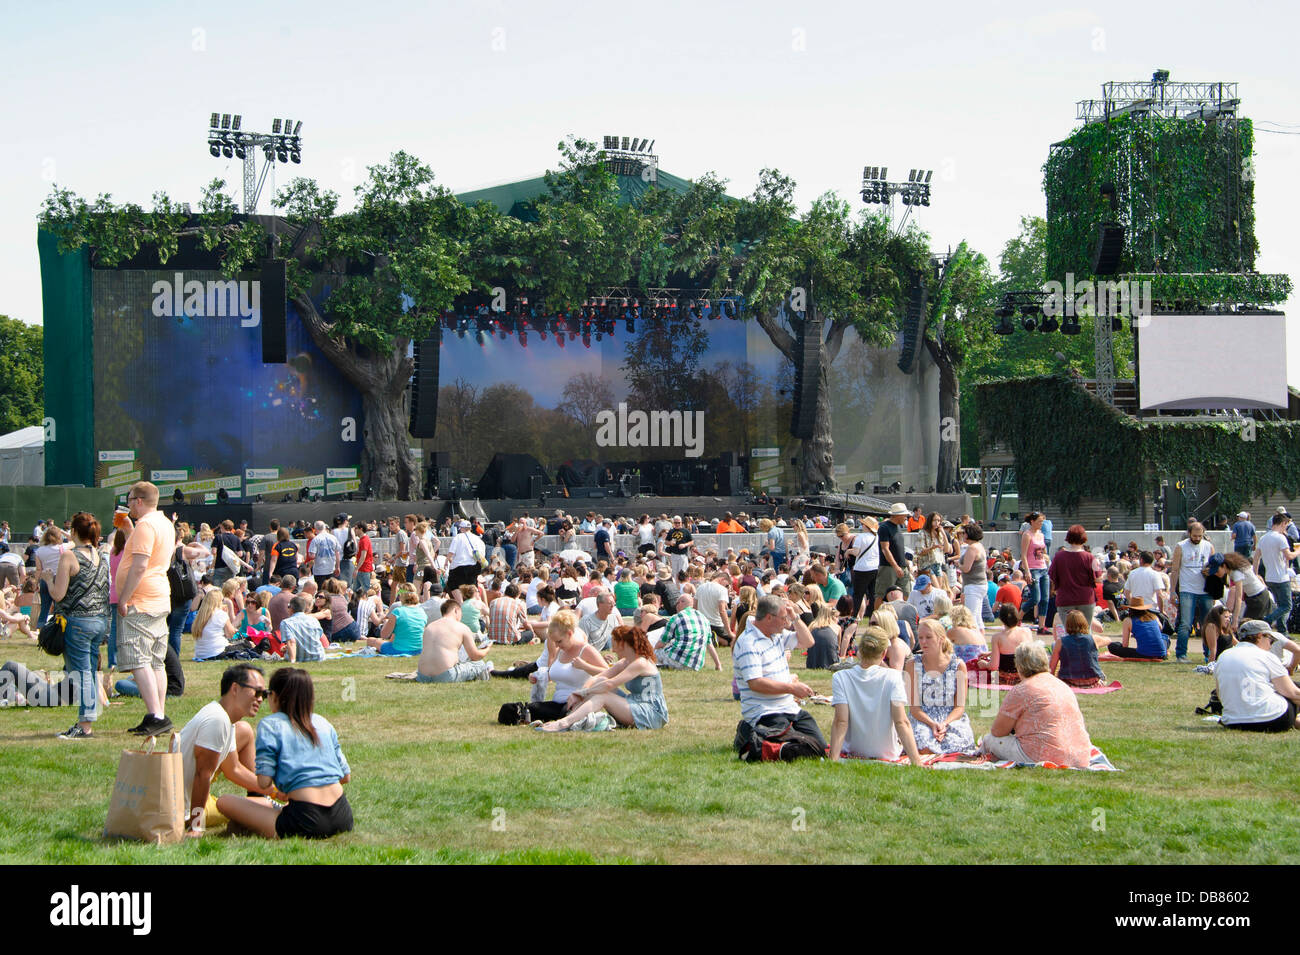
834, 340
782, 339
338, 352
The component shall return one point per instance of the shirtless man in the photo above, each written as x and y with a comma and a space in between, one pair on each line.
443, 639
524, 537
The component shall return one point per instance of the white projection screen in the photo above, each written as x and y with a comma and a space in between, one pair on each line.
1212, 362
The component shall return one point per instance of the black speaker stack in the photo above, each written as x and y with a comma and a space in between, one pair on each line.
274, 297
424, 387
807, 371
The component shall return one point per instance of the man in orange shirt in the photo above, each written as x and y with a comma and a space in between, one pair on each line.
143, 603
728, 525
917, 520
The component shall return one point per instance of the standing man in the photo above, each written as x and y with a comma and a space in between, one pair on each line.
144, 598
323, 554
1243, 535
225, 539
347, 547
365, 559
604, 542
269, 540
466, 551
1275, 553
1191, 560
525, 537
678, 546
399, 543
768, 694
893, 555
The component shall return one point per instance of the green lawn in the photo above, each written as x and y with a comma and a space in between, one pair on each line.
435, 779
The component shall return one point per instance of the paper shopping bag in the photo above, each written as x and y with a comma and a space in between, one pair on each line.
148, 799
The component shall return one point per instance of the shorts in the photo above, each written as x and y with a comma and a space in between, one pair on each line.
141, 641
526, 559
310, 821
461, 673
719, 637
887, 579
212, 817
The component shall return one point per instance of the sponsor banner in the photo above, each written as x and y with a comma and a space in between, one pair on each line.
891, 470
261, 474
342, 487
765, 452
313, 482
117, 455
841, 469
175, 475
230, 482
121, 480
332, 474
115, 469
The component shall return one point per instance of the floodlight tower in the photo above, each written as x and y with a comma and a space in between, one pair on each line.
631, 156
876, 187
283, 144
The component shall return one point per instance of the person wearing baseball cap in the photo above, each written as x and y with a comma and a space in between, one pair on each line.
1256, 692
1243, 535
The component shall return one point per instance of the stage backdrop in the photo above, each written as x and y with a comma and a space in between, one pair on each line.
681, 393
185, 400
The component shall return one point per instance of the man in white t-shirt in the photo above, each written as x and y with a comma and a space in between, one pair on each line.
711, 599
1191, 560
1273, 555
216, 740
1144, 582
466, 551
870, 703
922, 596
1256, 691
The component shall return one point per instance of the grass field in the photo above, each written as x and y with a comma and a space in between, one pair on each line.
435, 779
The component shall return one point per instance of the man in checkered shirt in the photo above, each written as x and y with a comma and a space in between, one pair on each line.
768, 694
685, 638
508, 619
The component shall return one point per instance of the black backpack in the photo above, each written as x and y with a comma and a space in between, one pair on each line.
514, 714
764, 743
181, 580
350, 547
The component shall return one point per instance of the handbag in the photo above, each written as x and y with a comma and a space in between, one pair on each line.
148, 799
50, 638
180, 580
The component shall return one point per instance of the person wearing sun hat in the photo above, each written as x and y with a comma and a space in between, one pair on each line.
1143, 626
1254, 687
893, 554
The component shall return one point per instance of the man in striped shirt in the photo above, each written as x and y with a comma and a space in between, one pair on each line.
768, 694
685, 638
507, 618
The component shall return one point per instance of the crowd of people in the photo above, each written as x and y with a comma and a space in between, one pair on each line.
906, 631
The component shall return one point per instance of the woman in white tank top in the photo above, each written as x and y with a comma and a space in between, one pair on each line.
572, 662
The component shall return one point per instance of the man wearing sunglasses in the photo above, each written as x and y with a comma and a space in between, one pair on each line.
218, 739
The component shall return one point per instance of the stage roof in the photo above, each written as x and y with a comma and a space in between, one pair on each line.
514, 198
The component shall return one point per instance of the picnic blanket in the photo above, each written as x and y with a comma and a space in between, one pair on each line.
367, 652
1110, 687
1097, 762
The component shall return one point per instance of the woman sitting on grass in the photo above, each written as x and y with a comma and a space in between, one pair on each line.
1040, 719
899, 650
936, 694
823, 654
642, 706
1002, 659
213, 627
299, 751
568, 660
1075, 651
403, 630
1142, 625
965, 633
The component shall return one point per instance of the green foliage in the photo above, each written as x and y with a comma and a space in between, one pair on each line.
22, 374
1070, 446
1215, 288
1185, 191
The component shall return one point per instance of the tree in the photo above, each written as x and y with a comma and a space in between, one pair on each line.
395, 263
586, 395
22, 374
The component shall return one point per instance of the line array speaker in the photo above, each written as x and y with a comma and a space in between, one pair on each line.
424, 387
1109, 249
807, 371
275, 291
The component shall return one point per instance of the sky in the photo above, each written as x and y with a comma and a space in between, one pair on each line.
102, 100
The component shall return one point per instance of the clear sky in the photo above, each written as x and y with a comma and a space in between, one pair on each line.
105, 101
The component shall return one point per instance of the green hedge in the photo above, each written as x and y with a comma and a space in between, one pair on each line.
1215, 288
1070, 446
1185, 191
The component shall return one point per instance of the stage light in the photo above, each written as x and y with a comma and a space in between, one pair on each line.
860, 487
223, 496
1071, 325
239, 151
281, 155
1050, 324
523, 338
1004, 326
214, 148
1117, 324
227, 150
178, 497
1028, 323
303, 493
296, 157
